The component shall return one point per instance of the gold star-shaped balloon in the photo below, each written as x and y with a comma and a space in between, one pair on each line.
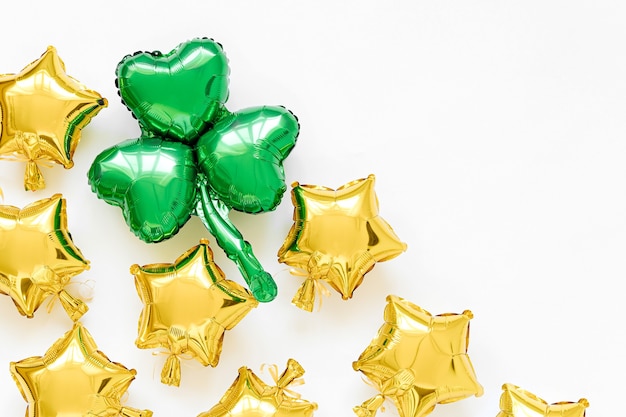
74, 378
188, 305
250, 396
42, 113
516, 402
337, 236
418, 360
38, 257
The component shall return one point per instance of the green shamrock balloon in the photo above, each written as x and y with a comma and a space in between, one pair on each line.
195, 157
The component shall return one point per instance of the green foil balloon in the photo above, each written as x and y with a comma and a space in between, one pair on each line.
195, 157
153, 181
178, 94
243, 157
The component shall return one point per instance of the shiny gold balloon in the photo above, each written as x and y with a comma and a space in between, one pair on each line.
337, 236
42, 112
249, 396
188, 305
74, 378
418, 360
516, 402
37, 256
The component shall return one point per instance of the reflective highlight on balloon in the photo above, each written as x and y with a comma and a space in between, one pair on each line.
195, 157
42, 113
250, 396
337, 237
516, 402
74, 378
188, 305
418, 360
39, 257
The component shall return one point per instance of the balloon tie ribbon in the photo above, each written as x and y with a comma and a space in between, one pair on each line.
290, 377
114, 405
311, 289
313, 286
29, 151
74, 307
170, 374
121, 410
397, 385
369, 407
128, 411
86, 288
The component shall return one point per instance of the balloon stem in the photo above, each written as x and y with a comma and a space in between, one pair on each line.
293, 371
74, 307
170, 374
305, 296
237, 249
33, 178
369, 407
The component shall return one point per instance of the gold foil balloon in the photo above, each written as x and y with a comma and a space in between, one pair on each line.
250, 396
42, 113
74, 378
337, 236
37, 256
418, 360
188, 305
516, 402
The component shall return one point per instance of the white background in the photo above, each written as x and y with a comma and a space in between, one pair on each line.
496, 132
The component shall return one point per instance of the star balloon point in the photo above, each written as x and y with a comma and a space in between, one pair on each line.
418, 360
338, 236
42, 113
188, 306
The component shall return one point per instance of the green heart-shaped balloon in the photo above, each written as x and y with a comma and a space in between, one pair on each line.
178, 94
153, 181
242, 157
